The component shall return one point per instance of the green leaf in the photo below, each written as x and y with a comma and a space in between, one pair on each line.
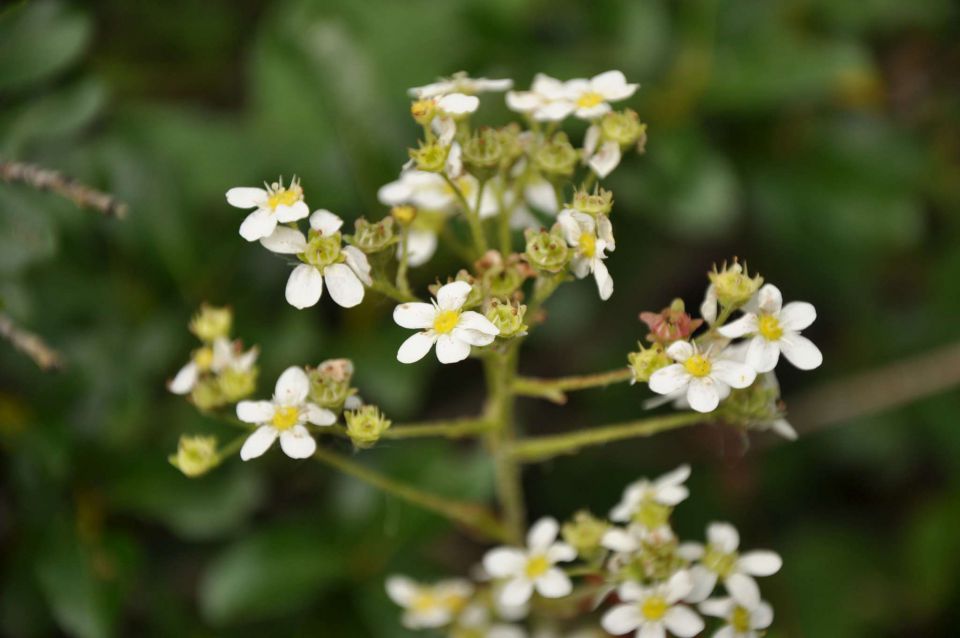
38, 39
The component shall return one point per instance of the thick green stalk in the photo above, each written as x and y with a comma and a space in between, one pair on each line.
500, 370
554, 389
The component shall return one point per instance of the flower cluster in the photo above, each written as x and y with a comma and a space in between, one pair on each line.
632, 566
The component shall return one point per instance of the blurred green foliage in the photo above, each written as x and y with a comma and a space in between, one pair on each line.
818, 138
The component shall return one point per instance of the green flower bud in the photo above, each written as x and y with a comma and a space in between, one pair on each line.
322, 250
483, 152
211, 323
237, 384
599, 202
366, 425
623, 127
733, 285
647, 361
430, 157
584, 532
547, 251
513, 143
556, 157
330, 383
195, 455
207, 395
373, 237
508, 318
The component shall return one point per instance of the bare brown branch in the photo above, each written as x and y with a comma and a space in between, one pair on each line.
30, 344
44, 179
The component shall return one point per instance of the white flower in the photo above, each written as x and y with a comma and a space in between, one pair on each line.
591, 97
444, 324
274, 204
721, 560
460, 83
581, 233
456, 104
429, 606
706, 378
775, 328
345, 269
742, 621
221, 356
533, 567
284, 416
476, 621
546, 101
663, 493
653, 611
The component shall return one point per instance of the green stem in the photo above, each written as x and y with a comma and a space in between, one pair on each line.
230, 449
545, 447
452, 429
553, 389
472, 516
506, 245
403, 285
387, 289
500, 371
473, 217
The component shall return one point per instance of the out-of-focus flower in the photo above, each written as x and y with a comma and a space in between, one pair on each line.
533, 568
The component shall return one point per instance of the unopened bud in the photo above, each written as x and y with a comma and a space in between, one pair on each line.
211, 323
547, 250
508, 318
647, 361
237, 384
330, 383
195, 455
483, 152
366, 425
430, 157
373, 237
584, 532
599, 202
733, 284
623, 127
423, 111
557, 157
670, 324
207, 395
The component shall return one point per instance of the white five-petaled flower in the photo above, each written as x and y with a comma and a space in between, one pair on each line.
654, 611
667, 490
705, 377
429, 606
274, 204
284, 416
460, 83
591, 98
775, 328
445, 324
224, 354
742, 621
589, 238
344, 268
546, 101
534, 567
719, 559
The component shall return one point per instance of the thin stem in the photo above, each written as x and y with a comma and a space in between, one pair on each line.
588, 181
500, 409
503, 220
230, 449
30, 344
545, 447
387, 289
472, 516
553, 389
472, 215
403, 285
452, 429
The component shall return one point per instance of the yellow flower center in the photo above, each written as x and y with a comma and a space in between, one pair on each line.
203, 358
588, 245
424, 601
589, 99
446, 321
285, 417
284, 197
740, 620
652, 514
769, 328
697, 366
537, 566
455, 603
654, 608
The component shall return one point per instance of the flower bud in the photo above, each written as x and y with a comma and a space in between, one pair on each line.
733, 285
547, 251
366, 425
206, 395
556, 157
670, 324
211, 323
508, 318
501, 278
330, 383
584, 532
404, 214
237, 384
195, 455
423, 111
482, 152
647, 361
513, 143
599, 202
623, 127
430, 157
373, 237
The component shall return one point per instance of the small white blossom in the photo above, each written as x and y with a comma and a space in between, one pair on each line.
705, 377
742, 621
274, 204
457, 104
221, 356
445, 324
654, 611
667, 491
775, 328
589, 238
604, 160
546, 101
591, 98
719, 559
460, 83
533, 567
429, 606
284, 416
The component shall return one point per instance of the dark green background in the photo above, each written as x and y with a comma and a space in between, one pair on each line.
817, 138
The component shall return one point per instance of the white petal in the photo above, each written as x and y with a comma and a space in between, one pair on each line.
255, 411
769, 299
325, 221
672, 494
619, 540
561, 553
613, 85
258, 442
542, 534
421, 245
784, 429
453, 295
297, 442
737, 375
632, 591
652, 630
669, 379
762, 616
344, 285
257, 225
683, 621
760, 563
395, 193
292, 387
358, 263
724, 537
292, 213
703, 580
554, 111
717, 607
679, 586
702, 394
554, 584
523, 101
606, 159
502, 562
415, 315
727, 631
472, 337
445, 128
516, 592
797, 315
680, 351
800, 351
475, 321
603, 279
762, 354
622, 619
451, 350
185, 380
304, 287
415, 347
708, 309
690, 551
540, 194
744, 589
401, 590
674, 477
747, 324
319, 416
454, 164
458, 104
244, 197
285, 241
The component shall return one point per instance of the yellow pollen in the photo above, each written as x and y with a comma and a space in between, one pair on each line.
446, 321
588, 245
283, 197
654, 608
589, 99
424, 601
537, 566
769, 328
697, 366
203, 358
455, 603
285, 418
740, 620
